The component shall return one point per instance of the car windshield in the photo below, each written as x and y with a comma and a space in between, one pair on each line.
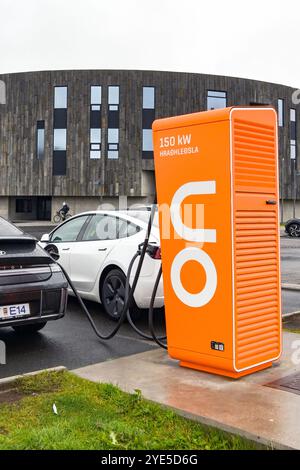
8, 230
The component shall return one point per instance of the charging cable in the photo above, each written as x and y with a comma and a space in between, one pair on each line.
129, 293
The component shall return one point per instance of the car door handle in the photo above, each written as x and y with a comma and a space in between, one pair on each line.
271, 202
65, 249
102, 249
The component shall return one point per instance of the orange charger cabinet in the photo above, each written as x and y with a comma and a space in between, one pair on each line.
217, 173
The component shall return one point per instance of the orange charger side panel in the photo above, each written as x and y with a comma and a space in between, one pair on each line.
217, 189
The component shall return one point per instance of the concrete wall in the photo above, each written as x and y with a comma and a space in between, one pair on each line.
4, 207
148, 183
288, 210
83, 204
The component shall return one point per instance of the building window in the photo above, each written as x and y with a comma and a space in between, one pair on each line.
216, 99
96, 97
148, 118
113, 122
60, 130
147, 140
2, 92
95, 122
61, 97
280, 107
40, 140
148, 97
60, 140
293, 134
23, 206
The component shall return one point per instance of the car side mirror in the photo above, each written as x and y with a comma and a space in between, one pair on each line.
45, 238
52, 251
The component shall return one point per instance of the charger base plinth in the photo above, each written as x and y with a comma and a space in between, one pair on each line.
230, 374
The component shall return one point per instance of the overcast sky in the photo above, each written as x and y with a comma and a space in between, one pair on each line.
253, 39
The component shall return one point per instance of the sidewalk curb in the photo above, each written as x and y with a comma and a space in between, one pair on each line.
290, 316
234, 430
10, 380
286, 286
34, 225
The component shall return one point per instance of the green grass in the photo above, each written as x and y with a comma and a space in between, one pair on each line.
98, 416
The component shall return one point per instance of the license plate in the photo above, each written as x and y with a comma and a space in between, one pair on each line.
14, 311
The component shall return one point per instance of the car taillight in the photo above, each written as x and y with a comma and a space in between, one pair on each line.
157, 253
153, 251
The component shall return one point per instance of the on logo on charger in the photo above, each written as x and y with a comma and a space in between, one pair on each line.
193, 253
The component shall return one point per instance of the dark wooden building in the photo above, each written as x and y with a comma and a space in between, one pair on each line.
84, 136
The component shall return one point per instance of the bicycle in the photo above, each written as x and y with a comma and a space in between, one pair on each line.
59, 217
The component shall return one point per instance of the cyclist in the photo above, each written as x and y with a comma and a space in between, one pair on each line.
64, 210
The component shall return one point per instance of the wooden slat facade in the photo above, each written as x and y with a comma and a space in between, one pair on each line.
30, 98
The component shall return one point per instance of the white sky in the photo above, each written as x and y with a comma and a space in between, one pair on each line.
252, 39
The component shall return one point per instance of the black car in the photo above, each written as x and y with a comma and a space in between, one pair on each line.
292, 227
33, 289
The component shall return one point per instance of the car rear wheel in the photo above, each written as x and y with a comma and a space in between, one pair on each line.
113, 295
294, 230
29, 329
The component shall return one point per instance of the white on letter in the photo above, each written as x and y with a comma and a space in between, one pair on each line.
207, 293
198, 234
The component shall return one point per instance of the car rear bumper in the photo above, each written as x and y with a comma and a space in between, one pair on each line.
47, 302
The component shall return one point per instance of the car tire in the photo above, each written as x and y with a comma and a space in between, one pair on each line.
293, 230
29, 329
112, 292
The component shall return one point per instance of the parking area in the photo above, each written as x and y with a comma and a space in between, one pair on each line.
71, 342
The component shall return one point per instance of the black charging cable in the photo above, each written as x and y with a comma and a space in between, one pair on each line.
84, 308
132, 324
157, 339
129, 293
141, 254
149, 249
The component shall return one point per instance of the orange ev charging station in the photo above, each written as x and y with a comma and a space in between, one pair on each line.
217, 171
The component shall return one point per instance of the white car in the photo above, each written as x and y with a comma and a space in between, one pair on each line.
96, 248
